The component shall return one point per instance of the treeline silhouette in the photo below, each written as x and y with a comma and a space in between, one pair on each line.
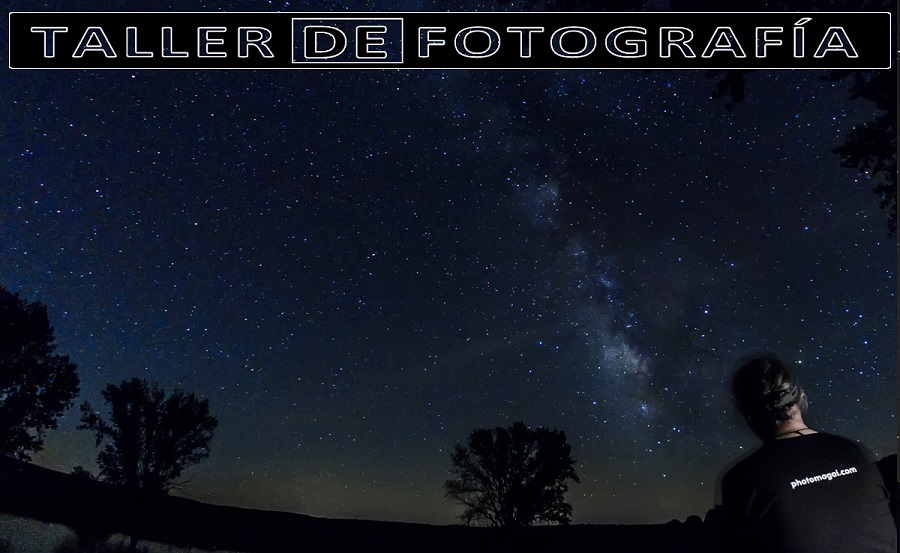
95, 510
506, 479
150, 437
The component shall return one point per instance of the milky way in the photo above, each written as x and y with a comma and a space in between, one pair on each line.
358, 268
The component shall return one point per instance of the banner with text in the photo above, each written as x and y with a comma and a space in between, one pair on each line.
453, 40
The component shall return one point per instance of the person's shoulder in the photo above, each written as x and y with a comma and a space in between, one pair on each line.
836, 440
743, 465
837, 443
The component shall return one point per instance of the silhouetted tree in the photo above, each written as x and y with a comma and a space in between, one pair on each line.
151, 438
871, 147
513, 476
36, 385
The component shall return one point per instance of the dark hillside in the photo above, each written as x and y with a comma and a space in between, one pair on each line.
94, 509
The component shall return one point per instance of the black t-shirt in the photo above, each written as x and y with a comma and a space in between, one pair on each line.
814, 493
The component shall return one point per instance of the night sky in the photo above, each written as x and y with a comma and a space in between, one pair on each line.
357, 268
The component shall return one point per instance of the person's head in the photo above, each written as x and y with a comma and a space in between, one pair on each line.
768, 394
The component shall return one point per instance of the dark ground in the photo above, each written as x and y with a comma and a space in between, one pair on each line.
95, 510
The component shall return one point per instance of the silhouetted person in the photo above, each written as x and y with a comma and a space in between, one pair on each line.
802, 490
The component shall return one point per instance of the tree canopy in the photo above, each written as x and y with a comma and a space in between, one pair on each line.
151, 437
513, 476
36, 385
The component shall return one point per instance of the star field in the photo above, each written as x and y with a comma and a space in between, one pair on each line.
357, 268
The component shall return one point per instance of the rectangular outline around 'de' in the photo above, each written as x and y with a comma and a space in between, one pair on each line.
324, 62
